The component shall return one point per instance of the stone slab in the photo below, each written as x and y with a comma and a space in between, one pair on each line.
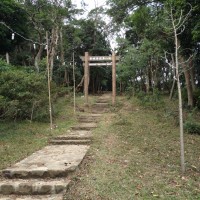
102, 105
75, 135
70, 142
85, 126
87, 119
103, 100
33, 186
51, 161
91, 115
99, 110
35, 197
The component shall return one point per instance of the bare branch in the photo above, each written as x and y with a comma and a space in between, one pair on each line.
182, 30
185, 18
191, 56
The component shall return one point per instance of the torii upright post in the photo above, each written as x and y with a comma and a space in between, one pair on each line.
113, 78
86, 76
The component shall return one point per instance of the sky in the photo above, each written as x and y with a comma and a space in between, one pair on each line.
90, 3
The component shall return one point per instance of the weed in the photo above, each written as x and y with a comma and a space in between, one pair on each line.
192, 127
135, 156
20, 139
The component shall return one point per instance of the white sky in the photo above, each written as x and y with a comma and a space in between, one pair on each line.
90, 3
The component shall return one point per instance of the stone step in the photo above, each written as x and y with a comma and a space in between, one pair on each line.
34, 197
100, 110
33, 186
75, 135
102, 100
70, 142
101, 105
50, 162
93, 116
87, 119
72, 137
85, 126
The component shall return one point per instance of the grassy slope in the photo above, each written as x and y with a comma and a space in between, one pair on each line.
135, 155
19, 139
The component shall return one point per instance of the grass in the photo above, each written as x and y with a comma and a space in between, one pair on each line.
135, 155
20, 139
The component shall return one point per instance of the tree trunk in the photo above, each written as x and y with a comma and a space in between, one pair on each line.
38, 56
7, 58
192, 75
66, 80
147, 81
174, 80
62, 59
177, 46
53, 46
188, 84
80, 84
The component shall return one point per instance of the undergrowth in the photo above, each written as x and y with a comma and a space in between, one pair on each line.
21, 138
136, 155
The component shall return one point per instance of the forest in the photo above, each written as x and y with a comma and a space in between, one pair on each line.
157, 41
146, 144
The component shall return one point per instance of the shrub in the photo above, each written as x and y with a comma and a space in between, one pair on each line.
192, 127
130, 92
150, 100
19, 92
4, 66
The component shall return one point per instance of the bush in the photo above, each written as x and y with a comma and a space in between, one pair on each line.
192, 127
4, 66
130, 92
150, 100
196, 97
22, 93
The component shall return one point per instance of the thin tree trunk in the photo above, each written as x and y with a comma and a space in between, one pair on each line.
38, 56
7, 58
192, 75
147, 81
188, 83
53, 45
174, 80
80, 84
177, 46
49, 83
74, 80
62, 59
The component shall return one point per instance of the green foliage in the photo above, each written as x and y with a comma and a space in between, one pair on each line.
196, 97
192, 127
129, 91
15, 17
22, 95
153, 101
4, 66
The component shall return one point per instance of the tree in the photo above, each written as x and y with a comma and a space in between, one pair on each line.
13, 21
178, 20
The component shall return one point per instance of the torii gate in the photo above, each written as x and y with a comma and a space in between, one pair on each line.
109, 61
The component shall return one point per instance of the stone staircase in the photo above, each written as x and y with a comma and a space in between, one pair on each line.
46, 173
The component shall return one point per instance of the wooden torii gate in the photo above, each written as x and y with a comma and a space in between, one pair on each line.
97, 61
